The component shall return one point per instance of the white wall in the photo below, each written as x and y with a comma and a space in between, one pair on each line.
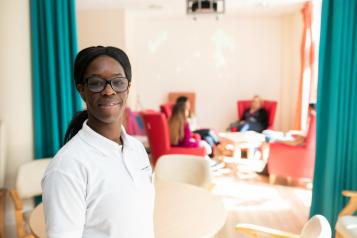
222, 61
15, 83
15, 91
100, 27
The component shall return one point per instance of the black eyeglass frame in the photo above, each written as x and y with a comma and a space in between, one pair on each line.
109, 81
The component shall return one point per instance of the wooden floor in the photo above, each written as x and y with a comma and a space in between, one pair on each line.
251, 199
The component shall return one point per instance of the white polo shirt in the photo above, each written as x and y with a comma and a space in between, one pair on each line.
96, 188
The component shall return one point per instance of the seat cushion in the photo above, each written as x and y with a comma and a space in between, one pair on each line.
347, 226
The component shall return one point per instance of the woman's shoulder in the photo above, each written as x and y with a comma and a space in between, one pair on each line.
69, 158
72, 147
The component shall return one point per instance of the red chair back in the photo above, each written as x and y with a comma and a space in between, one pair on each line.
157, 132
268, 105
167, 109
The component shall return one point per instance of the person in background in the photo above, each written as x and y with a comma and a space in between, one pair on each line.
180, 132
206, 134
99, 183
254, 118
191, 116
292, 137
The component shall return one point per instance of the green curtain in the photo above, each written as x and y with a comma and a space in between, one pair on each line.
336, 146
54, 47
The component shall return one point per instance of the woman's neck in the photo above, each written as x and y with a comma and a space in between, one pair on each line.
252, 110
109, 130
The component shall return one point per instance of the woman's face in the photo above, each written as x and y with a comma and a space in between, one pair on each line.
187, 109
106, 106
256, 103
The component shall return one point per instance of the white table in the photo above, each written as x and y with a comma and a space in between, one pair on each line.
181, 211
248, 140
251, 137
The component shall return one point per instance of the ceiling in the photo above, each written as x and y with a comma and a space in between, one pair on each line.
278, 7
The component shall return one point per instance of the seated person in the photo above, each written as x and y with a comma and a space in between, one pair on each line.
254, 118
294, 138
191, 117
180, 132
207, 135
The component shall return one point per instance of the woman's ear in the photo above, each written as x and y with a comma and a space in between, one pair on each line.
128, 91
80, 88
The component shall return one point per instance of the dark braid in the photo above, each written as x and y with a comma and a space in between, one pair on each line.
75, 125
83, 59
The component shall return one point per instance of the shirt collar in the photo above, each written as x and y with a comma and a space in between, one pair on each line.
100, 142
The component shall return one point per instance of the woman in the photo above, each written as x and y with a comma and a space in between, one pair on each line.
207, 135
292, 137
180, 132
99, 183
254, 118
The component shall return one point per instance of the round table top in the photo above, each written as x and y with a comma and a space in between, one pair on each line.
250, 137
181, 210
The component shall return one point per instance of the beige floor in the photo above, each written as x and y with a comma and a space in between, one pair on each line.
251, 199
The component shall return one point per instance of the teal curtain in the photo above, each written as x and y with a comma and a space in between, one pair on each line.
54, 47
336, 146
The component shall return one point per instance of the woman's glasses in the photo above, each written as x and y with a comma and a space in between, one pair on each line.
97, 85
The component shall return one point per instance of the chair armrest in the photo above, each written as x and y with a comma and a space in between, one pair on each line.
351, 194
295, 132
255, 231
351, 206
287, 146
16, 200
19, 216
196, 136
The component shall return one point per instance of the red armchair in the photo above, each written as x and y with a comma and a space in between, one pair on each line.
159, 139
294, 161
269, 106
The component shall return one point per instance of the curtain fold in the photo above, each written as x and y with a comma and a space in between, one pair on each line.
54, 47
336, 146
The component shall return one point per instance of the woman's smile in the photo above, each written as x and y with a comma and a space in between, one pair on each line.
109, 104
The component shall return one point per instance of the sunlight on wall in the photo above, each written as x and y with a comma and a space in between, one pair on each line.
154, 44
223, 44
